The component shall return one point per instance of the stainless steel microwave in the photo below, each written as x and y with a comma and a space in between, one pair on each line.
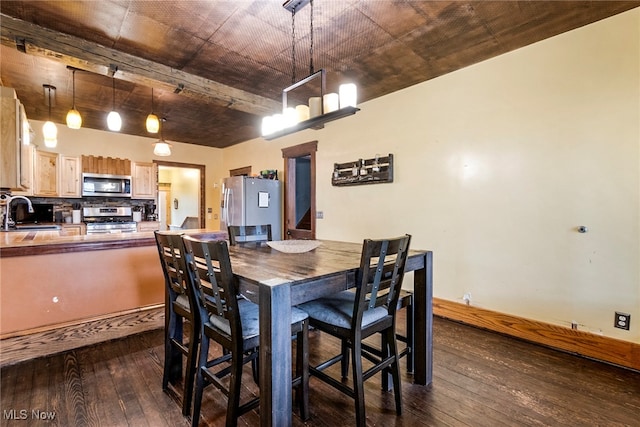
94, 184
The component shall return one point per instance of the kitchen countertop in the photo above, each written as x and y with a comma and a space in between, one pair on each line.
40, 242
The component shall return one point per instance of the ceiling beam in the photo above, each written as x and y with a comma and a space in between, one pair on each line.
82, 54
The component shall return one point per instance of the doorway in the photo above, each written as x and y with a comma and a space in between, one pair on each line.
300, 193
181, 195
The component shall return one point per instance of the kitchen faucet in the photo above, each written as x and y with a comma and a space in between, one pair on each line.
7, 209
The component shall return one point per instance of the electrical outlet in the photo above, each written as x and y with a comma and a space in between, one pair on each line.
622, 321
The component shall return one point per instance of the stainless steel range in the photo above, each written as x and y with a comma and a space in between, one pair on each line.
112, 219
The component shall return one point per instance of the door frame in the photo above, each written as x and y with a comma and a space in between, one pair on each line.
290, 154
202, 170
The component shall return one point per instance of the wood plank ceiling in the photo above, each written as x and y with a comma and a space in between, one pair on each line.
230, 59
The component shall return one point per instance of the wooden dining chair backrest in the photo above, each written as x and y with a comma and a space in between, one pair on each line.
249, 233
210, 270
380, 275
171, 251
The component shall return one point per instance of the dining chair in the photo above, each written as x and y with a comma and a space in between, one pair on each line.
249, 233
180, 307
354, 316
233, 322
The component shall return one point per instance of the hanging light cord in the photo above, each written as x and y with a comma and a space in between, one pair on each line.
151, 100
113, 79
49, 103
293, 45
311, 70
73, 102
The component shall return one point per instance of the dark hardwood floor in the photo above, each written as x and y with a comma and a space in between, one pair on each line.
480, 379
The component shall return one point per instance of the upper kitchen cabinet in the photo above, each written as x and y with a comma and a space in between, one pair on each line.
46, 174
70, 170
144, 180
16, 158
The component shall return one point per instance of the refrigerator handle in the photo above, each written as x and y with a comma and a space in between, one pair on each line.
224, 205
227, 197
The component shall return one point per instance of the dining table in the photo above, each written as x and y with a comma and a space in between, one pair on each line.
278, 280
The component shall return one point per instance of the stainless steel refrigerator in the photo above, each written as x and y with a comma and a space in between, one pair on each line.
251, 201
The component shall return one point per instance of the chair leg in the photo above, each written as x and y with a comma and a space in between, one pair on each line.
392, 350
202, 363
302, 371
233, 402
172, 357
194, 339
344, 362
358, 383
384, 350
255, 370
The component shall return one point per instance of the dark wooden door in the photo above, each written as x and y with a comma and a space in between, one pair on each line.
300, 191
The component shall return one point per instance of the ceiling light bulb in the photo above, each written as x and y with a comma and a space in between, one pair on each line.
162, 149
268, 125
74, 120
114, 122
153, 123
348, 95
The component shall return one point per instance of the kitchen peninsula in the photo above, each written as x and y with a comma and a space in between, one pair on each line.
50, 280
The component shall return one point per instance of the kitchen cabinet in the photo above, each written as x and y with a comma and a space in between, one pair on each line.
15, 162
148, 226
106, 165
144, 180
73, 229
70, 168
46, 174
27, 173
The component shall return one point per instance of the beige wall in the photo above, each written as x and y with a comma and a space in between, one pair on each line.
496, 166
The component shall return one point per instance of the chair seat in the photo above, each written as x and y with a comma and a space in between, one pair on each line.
250, 319
337, 310
183, 301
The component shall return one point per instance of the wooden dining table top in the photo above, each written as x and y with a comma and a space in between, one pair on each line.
259, 263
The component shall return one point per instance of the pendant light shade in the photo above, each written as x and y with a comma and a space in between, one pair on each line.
74, 120
49, 129
114, 122
153, 123
161, 148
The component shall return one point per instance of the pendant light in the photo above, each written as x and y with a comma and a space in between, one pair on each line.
153, 124
49, 129
114, 122
161, 147
321, 109
74, 120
